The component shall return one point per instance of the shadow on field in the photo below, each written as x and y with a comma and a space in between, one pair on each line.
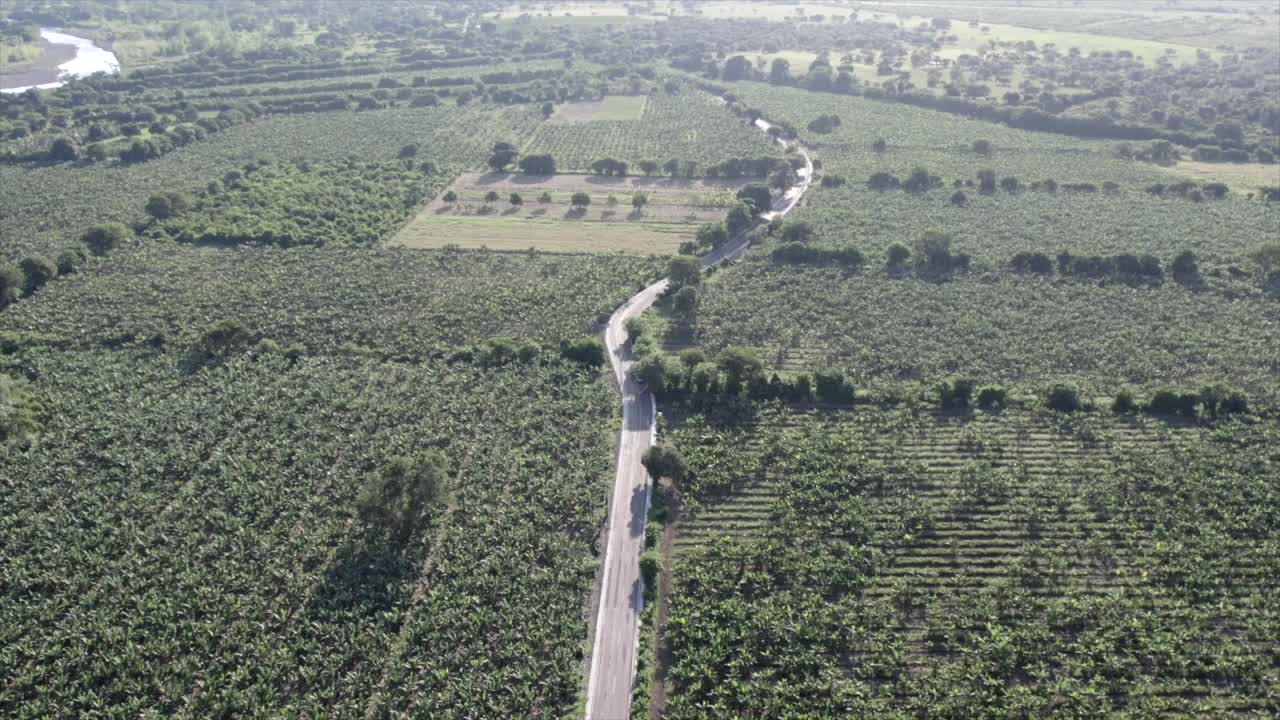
366, 577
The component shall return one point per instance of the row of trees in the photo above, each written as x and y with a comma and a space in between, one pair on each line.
1125, 266
1210, 402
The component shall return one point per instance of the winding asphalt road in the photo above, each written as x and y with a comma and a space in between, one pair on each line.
613, 657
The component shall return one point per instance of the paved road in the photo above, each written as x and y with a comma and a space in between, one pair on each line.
613, 657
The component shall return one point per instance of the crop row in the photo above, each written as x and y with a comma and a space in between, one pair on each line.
324, 299
1018, 331
689, 127
837, 566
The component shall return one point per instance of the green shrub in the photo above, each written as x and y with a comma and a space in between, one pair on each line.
102, 239
993, 397
956, 394
665, 461
37, 272
225, 338
1063, 397
1124, 403
587, 351
11, 283
71, 260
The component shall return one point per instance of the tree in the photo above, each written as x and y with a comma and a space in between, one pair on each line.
1186, 267
737, 68
102, 239
933, 252
800, 232
164, 205
491, 196
665, 461
879, 146
780, 71
648, 167
956, 394
502, 156
684, 270
586, 351
738, 362
64, 150
832, 386
450, 197
639, 200
548, 110
659, 372
757, 195
544, 198
580, 200
1124, 403
1063, 397
11, 282
37, 271
516, 200
896, 257
739, 219
685, 301
959, 199
396, 497
71, 260
982, 147
712, 235
992, 397
671, 167
537, 165
408, 151
224, 338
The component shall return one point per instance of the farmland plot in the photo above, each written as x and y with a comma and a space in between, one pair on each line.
891, 563
689, 126
545, 217
394, 302
1021, 331
188, 544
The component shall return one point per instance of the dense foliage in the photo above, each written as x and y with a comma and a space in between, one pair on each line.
236, 491
302, 204
893, 564
393, 302
1002, 328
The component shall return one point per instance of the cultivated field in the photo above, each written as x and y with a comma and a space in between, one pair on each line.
546, 219
927, 563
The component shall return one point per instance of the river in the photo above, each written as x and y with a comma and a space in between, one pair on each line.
88, 59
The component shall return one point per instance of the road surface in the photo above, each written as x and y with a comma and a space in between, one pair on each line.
613, 656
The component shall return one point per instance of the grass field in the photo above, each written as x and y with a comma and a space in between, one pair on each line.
568, 236
612, 107
674, 210
1241, 177
924, 564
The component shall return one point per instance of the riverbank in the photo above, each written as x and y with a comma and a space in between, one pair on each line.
62, 57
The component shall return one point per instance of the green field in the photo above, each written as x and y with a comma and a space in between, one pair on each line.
386, 301
1002, 329
894, 563
686, 126
307, 409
